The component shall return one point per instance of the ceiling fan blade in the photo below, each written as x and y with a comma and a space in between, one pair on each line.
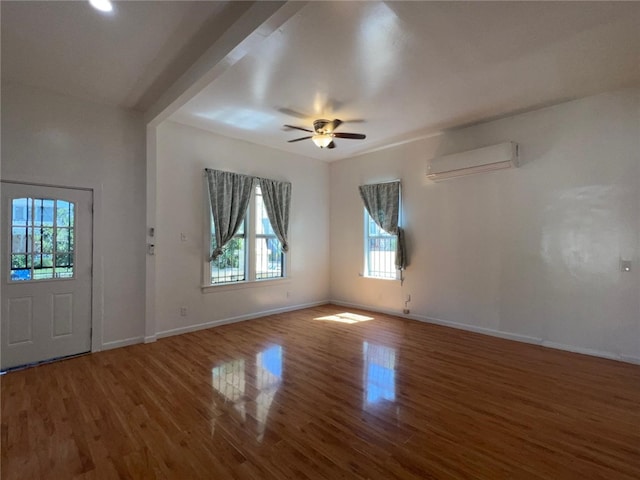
331, 145
352, 136
299, 128
293, 113
298, 139
335, 124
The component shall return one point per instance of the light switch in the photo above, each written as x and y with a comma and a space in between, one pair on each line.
625, 265
183, 237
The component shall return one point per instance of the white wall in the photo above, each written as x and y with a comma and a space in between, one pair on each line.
57, 140
183, 153
532, 251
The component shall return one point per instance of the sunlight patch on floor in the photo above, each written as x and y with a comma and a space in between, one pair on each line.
345, 317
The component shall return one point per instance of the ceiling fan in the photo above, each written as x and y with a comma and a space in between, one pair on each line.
324, 133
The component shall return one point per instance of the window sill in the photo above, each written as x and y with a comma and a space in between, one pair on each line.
397, 279
225, 287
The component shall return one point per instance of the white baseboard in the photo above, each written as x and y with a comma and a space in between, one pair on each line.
150, 339
446, 323
240, 318
483, 330
497, 333
122, 343
582, 350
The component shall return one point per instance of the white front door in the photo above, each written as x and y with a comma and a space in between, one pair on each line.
46, 273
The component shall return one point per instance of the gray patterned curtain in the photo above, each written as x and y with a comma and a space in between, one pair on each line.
382, 201
230, 194
277, 198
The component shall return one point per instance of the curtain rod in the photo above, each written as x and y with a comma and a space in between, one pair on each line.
386, 181
204, 174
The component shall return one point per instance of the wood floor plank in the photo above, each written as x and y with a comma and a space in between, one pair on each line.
308, 395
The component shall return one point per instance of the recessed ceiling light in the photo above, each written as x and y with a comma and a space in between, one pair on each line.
102, 5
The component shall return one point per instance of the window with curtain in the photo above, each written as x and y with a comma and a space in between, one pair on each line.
230, 266
256, 251
383, 237
269, 256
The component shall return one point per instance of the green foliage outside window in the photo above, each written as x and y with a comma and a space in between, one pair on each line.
230, 257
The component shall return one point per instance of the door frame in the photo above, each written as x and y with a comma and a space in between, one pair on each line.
97, 279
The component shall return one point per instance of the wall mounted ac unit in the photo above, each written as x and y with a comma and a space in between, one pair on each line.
486, 159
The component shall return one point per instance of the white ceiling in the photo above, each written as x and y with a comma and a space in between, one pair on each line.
125, 58
394, 71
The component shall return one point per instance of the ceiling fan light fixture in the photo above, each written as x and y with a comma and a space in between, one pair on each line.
322, 140
102, 5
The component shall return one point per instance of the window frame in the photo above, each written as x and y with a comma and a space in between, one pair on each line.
251, 237
367, 218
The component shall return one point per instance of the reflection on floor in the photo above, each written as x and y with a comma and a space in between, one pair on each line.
268, 377
380, 373
229, 380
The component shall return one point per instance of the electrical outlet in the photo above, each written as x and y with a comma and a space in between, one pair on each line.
288, 294
183, 311
407, 298
183, 237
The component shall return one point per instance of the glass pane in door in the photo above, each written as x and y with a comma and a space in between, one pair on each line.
42, 239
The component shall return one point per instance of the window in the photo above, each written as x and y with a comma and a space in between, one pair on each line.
384, 247
268, 250
254, 252
231, 265
380, 250
42, 239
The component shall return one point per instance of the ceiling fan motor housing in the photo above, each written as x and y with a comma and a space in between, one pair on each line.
320, 126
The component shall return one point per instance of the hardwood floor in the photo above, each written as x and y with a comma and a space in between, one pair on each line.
295, 397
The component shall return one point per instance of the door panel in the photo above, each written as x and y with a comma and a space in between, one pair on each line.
62, 314
20, 320
45, 273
